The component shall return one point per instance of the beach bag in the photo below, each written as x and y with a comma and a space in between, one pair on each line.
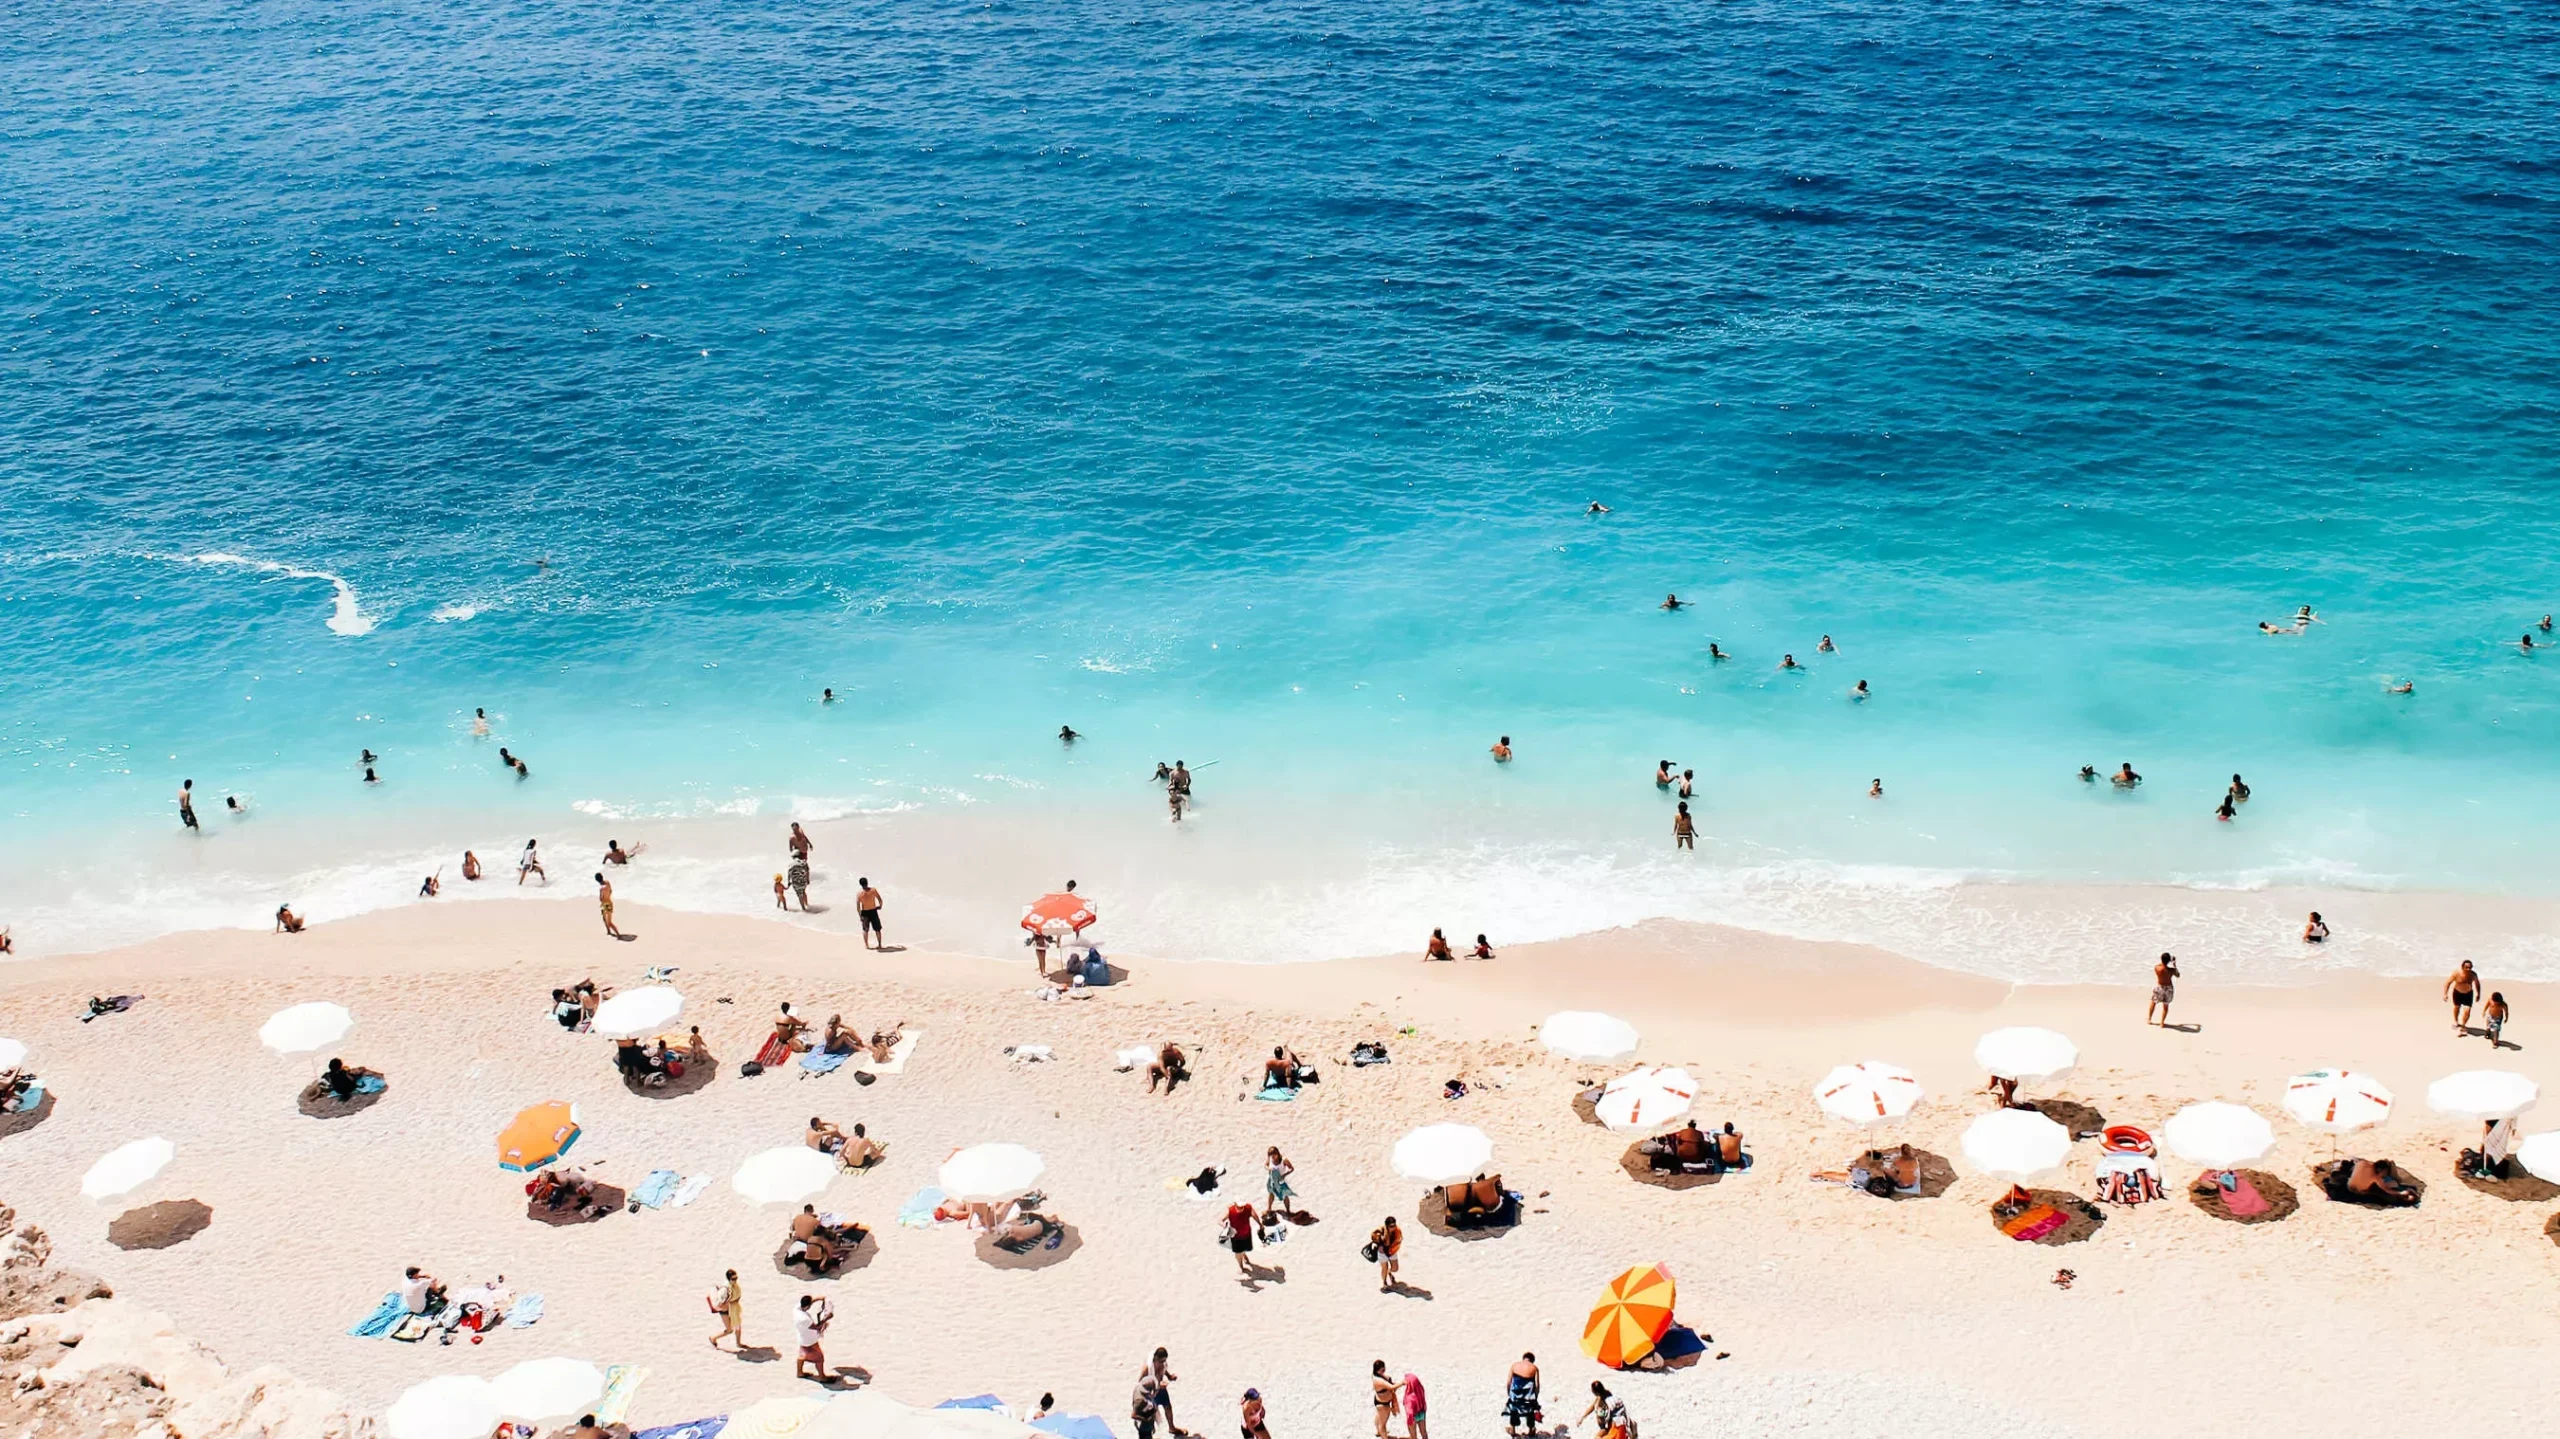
750, 1070
1880, 1185
1369, 1252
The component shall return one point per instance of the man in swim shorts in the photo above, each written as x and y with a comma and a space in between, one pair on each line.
867, 904
2164, 987
2462, 987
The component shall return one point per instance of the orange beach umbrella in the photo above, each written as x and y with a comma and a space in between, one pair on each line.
538, 1136
1058, 914
1634, 1314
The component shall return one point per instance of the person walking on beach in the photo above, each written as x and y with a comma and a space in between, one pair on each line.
1249, 1419
1386, 1242
187, 807
530, 863
1275, 1181
733, 1313
799, 876
800, 842
1684, 830
2164, 987
1239, 1222
1142, 1407
1520, 1409
867, 904
1157, 1377
2493, 1015
2462, 987
604, 902
810, 1327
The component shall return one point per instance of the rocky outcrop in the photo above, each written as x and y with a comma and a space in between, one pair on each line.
76, 1362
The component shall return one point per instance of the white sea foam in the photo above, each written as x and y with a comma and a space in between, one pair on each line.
346, 617
454, 614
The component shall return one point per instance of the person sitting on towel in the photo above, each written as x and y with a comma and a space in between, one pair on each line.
1168, 1068
1689, 1144
2376, 1181
824, 1137
857, 1150
1280, 1071
885, 1041
1729, 1147
841, 1040
340, 1080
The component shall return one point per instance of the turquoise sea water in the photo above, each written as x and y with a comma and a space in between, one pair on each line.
1229, 382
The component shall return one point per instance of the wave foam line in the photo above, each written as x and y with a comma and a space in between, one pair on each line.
346, 617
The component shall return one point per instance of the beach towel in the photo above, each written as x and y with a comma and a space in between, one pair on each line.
621, 1381
917, 1213
526, 1313
2033, 1223
691, 1190
896, 1062
821, 1062
371, 1084
689, 1429
30, 1097
412, 1328
384, 1316
1030, 1053
1127, 1059
655, 1190
1277, 1094
113, 1004
2242, 1198
974, 1401
776, 1049
1074, 1426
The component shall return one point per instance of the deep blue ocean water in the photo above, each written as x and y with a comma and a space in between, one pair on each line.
1229, 382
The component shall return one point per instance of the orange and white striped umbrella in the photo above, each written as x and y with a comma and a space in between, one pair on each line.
1867, 1093
1633, 1315
1058, 914
538, 1136
1642, 1098
2337, 1101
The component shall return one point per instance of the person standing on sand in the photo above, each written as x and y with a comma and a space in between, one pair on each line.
1415, 1413
733, 1313
2462, 987
1684, 830
781, 894
604, 902
1386, 1242
867, 904
1520, 1397
1142, 1407
2164, 987
1249, 1419
800, 881
1159, 1378
810, 1327
530, 863
1382, 1394
1275, 1181
1239, 1224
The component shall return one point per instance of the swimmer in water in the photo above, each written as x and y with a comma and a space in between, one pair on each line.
480, 723
470, 865
2267, 629
370, 777
2224, 811
2526, 644
1858, 691
614, 853
1662, 775
2404, 688
1595, 508
432, 886
1067, 734
1715, 654
2125, 778
1688, 783
1788, 662
368, 757
1674, 602
827, 696
2239, 790
2303, 618
521, 771
1164, 772
2545, 626
1875, 789
1826, 647
2088, 774
235, 804
1502, 750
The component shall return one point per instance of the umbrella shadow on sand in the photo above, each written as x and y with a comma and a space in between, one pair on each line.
695, 1076
2552, 1229
2071, 1114
2517, 1188
26, 1119
1937, 1176
1434, 1216
164, 1225
1038, 1256
1639, 1167
1586, 1106
317, 1102
2080, 1218
2207, 1195
858, 1257
609, 1199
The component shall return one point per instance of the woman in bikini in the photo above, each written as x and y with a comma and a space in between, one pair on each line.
1382, 1394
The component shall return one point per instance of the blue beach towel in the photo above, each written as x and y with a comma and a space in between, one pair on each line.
974, 1401
656, 1190
1074, 1426
689, 1429
1277, 1094
818, 1061
526, 1313
383, 1319
371, 1084
917, 1213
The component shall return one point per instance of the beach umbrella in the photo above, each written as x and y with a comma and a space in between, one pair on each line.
636, 1012
2026, 1054
1075, 1426
1058, 915
2337, 1101
127, 1168
2218, 1135
989, 1172
1867, 1093
1643, 1097
538, 1136
2016, 1144
865, 1414
776, 1418
13, 1053
306, 1027
548, 1389
1588, 1034
450, 1406
778, 1176
2484, 1094
1439, 1153
2540, 1155
1633, 1314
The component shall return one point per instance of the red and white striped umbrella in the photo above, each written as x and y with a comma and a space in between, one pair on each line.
1868, 1093
2337, 1101
1641, 1098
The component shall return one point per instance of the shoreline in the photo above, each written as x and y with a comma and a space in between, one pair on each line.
1787, 1276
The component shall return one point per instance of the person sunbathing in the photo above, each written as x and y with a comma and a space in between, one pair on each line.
788, 1028
824, 1137
1280, 1071
566, 1010
1689, 1144
858, 1151
2374, 1181
1169, 1068
15, 1086
1729, 1147
340, 1081
840, 1040
884, 1042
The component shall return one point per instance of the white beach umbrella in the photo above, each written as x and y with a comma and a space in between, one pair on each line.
1588, 1034
2337, 1101
868, 1414
13, 1053
1440, 1153
2026, 1054
2483, 1094
128, 1168
779, 1417
1641, 1098
548, 1389
2540, 1155
449, 1406
636, 1012
2016, 1144
1867, 1093
990, 1172
306, 1027
2218, 1135
778, 1176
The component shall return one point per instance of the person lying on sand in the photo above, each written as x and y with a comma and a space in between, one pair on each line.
1169, 1067
884, 1042
823, 1137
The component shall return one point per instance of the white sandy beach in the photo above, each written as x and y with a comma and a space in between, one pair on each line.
1829, 1311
